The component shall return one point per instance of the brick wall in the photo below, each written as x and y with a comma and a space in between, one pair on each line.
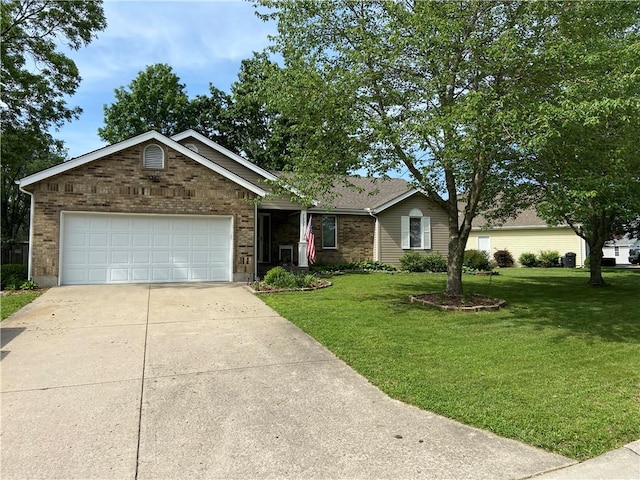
355, 239
118, 183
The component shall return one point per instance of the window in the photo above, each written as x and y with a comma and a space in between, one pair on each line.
153, 157
329, 231
616, 251
416, 231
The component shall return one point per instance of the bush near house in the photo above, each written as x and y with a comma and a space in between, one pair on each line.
419, 262
279, 277
13, 275
549, 258
476, 260
367, 266
503, 258
528, 260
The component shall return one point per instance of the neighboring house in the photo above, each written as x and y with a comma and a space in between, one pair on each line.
618, 248
180, 209
526, 233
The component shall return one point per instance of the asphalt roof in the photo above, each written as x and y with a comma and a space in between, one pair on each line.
369, 193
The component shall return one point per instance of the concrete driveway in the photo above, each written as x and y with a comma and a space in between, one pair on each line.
205, 381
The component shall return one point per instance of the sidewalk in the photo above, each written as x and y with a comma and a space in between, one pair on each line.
620, 464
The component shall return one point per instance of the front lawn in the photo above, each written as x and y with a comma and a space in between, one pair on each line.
559, 368
9, 304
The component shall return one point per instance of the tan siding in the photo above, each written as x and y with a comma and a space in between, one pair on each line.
226, 162
532, 240
390, 232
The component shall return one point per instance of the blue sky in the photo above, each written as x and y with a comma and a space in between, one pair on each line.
203, 41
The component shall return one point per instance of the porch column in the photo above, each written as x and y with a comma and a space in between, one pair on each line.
302, 244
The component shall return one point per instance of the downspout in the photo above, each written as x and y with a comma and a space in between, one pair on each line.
31, 208
376, 237
255, 243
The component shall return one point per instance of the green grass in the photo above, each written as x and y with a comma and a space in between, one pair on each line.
559, 368
9, 304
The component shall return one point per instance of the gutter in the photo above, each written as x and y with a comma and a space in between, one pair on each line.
31, 209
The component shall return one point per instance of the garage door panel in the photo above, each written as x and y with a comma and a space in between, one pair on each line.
140, 248
98, 257
120, 257
141, 239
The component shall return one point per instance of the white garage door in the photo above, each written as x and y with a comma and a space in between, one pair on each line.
113, 248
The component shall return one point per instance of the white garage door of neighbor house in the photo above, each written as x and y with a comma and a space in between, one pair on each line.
114, 248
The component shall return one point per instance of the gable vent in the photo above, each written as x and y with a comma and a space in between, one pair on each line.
191, 146
153, 157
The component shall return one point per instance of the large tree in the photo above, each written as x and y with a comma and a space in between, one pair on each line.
239, 120
154, 100
37, 79
583, 139
431, 88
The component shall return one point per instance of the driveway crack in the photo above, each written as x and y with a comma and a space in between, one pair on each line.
144, 364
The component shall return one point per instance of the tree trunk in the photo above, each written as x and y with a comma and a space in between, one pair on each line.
595, 264
455, 259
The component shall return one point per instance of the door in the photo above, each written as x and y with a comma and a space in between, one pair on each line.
124, 248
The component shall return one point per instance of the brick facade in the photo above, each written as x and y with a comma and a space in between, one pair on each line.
355, 239
119, 183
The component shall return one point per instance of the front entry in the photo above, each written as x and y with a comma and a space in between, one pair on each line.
264, 238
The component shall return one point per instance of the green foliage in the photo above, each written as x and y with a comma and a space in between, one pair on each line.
433, 88
419, 262
582, 136
503, 258
37, 78
476, 260
279, 277
367, 266
549, 258
29, 285
37, 81
12, 275
528, 259
154, 100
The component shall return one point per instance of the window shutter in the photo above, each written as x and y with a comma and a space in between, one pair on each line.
426, 233
153, 157
404, 228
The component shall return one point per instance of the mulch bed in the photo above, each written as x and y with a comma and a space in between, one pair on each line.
465, 303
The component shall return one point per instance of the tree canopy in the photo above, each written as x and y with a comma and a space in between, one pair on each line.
37, 79
583, 141
154, 100
239, 120
435, 89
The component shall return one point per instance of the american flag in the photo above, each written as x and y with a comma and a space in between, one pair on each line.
311, 243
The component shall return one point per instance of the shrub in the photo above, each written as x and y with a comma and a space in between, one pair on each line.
367, 266
503, 258
435, 262
549, 258
279, 277
419, 262
413, 262
587, 259
476, 260
528, 259
13, 274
